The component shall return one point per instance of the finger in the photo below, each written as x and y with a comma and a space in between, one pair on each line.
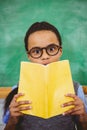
68, 112
79, 112
26, 102
75, 111
76, 103
77, 100
17, 111
17, 96
16, 104
21, 109
71, 95
68, 104
24, 108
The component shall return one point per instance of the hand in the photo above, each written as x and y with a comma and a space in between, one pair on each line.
79, 108
15, 107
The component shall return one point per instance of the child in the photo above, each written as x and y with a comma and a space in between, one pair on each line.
44, 45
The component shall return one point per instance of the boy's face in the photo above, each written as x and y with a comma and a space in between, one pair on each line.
43, 39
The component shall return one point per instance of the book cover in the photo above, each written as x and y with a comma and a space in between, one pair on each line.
46, 86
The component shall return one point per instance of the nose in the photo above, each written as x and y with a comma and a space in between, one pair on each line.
45, 56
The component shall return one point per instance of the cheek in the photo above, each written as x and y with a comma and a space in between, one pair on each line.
34, 60
57, 57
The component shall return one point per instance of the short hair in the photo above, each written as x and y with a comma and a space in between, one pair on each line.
38, 26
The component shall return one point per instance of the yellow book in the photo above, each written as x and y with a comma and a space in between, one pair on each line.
46, 86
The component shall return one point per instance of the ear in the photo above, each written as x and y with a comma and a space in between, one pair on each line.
60, 52
28, 57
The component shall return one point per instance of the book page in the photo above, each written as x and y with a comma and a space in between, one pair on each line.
33, 86
59, 84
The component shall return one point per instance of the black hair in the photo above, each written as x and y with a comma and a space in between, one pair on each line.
38, 26
9, 99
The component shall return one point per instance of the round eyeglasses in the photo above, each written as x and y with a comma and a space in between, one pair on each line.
37, 52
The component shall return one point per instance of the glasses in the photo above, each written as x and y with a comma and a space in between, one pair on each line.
37, 52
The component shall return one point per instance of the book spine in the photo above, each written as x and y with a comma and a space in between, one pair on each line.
46, 91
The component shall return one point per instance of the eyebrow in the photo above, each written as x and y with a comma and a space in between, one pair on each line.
46, 46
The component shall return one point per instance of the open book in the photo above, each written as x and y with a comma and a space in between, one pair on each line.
46, 87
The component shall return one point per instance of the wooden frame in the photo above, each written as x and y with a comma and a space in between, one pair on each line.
85, 89
5, 90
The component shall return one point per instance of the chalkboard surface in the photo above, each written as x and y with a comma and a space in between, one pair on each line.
70, 17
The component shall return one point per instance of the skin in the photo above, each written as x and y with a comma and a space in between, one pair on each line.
42, 39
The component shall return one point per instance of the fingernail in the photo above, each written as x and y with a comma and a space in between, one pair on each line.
63, 114
30, 101
30, 107
21, 93
62, 105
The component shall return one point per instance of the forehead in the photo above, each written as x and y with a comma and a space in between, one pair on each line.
42, 38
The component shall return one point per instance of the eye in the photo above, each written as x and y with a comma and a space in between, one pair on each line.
35, 52
51, 49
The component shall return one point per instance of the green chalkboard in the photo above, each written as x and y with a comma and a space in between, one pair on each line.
70, 17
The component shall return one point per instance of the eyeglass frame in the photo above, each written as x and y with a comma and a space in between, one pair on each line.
41, 49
